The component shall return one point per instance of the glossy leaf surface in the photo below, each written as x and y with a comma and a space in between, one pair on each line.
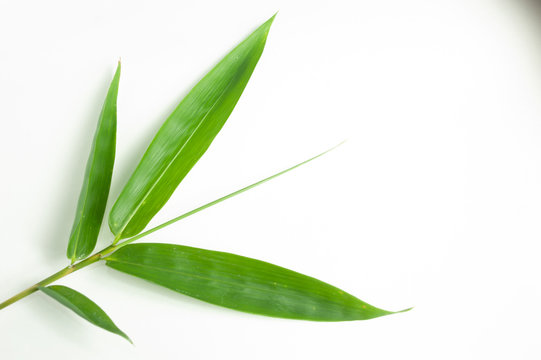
240, 283
97, 180
84, 307
185, 136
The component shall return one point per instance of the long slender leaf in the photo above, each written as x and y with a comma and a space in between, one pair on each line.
84, 307
185, 136
97, 180
228, 196
240, 283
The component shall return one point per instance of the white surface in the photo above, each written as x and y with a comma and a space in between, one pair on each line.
434, 202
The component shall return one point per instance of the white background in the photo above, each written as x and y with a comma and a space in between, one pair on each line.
434, 201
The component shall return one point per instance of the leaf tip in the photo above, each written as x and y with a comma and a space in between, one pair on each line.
405, 310
118, 67
267, 24
386, 312
126, 337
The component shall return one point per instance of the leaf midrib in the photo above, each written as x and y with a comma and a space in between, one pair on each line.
72, 305
198, 276
87, 183
141, 202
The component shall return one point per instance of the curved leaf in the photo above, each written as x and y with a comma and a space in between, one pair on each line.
84, 307
240, 283
97, 180
185, 136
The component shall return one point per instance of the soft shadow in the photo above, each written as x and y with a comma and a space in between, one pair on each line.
532, 16
532, 10
534, 7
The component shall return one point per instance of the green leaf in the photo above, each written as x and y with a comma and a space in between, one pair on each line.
240, 283
223, 198
97, 180
185, 136
84, 307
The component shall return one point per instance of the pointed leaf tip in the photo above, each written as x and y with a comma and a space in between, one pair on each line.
84, 307
271, 19
185, 136
240, 283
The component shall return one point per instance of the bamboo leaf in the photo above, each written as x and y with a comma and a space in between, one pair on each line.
228, 196
97, 180
185, 136
240, 283
84, 307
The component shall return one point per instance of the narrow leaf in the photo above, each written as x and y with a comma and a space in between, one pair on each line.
185, 136
84, 307
223, 198
240, 283
97, 180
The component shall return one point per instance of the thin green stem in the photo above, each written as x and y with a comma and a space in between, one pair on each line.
217, 201
115, 245
35, 287
116, 239
58, 275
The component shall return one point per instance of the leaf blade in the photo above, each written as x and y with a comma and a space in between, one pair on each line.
84, 307
228, 196
185, 136
97, 179
240, 283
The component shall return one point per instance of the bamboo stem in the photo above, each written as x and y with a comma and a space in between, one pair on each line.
115, 245
58, 275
